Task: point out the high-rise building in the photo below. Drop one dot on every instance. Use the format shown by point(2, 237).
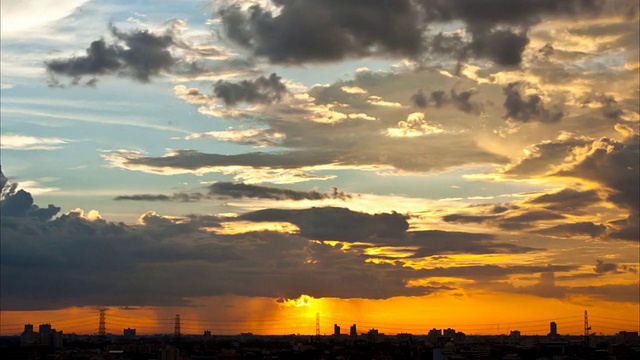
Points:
point(28, 337)
point(450, 333)
point(353, 333)
point(336, 330)
point(56, 339)
point(624, 337)
point(553, 329)
point(44, 334)
point(373, 336)
point(433, 335)
point(129, 333)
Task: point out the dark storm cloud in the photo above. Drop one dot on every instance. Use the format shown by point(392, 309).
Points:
point(498, 28)
point(546, 156)
point(503, 47)
point(527, 108)
point(419, 99)
point(239, 190)
point(488, 22)
point(332, 30)
point(613, 292)
point(193, 160)
point(499, 209)
point(489, 12)
point(331, 223)
point(615, 165)
point(4, 181)
point(439, 98)
point(526, 219)
point(225, 190)
point(556, 206)
point(451, 45)
point(464, 219)
point(567, 199)
point(547, 287)
point(329, 30)
point(17, 204)
point(485, 273)
point(534, 215)
point(608, 105)
point(20, 203)
point(138, 54)
point(182, 196)
point(489, 213)
point(69, 261)
point(386, 229)
point(433, 242)
point(585, 228)
point(144, 197)
point(261, 90)
point(604, 268)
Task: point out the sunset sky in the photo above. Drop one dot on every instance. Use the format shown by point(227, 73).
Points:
point(395, 164)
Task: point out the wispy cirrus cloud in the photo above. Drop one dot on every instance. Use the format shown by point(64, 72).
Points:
point(25, 142)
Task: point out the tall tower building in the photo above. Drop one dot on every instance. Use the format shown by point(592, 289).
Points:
point(353, 333)
point(553, 329)
point(336, 330)
point(44, 332)
point(28, 337)
point(433, 335)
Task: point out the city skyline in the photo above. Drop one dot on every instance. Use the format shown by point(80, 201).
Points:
point(116, 325)
point(384, 162)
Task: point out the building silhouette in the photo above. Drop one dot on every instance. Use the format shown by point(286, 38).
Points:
point(28, 337)
point(373, 336)
point(553, 329)
point(46, 336)
point(449, 333)
point(353, 333)
point(129, 333)
point(433, 335)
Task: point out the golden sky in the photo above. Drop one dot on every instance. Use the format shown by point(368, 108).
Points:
point(399, 164)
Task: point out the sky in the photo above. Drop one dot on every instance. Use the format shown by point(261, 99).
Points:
point(395, 164)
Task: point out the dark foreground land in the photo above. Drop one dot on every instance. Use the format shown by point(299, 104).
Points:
point(248, 346)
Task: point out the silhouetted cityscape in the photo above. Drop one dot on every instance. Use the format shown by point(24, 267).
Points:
point(436, 344)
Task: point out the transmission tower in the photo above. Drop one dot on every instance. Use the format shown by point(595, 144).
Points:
point(176, 327)
point(102, 324)
point(317, 325)
point(586, 327)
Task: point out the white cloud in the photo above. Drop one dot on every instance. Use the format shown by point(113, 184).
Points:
point(24, 142)
point(35, 188)
point(25, 16)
